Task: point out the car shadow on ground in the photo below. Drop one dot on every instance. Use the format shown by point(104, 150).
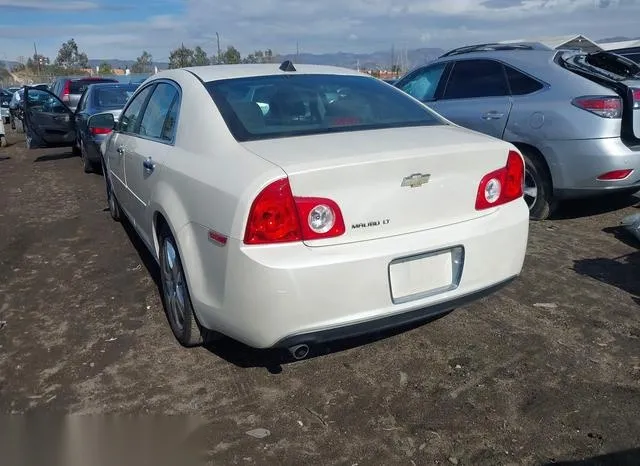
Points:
point(245, 356)
point(573, 209)
point(622, 458)
point(53, 157)
point(621, 272)
point(3, 158)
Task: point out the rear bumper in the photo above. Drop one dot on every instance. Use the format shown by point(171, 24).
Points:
point(278, 294)
point(405, 319)
point(576, 164)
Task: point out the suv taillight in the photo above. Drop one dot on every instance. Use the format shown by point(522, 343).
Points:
point(276, 216)
point(66, 91)
point(503, 185)
point(603, 106)
point(635, 93)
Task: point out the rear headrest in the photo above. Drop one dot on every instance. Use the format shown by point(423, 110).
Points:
point(249, 114)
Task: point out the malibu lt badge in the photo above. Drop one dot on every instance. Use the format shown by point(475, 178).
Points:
point(416, 180)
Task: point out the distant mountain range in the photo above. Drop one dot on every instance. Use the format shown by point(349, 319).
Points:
point(407, 59)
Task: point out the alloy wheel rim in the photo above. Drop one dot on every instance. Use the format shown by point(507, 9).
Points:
point(530, 189)
point(174, 286)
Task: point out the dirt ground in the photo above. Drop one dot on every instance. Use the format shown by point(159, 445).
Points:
point(546, 371)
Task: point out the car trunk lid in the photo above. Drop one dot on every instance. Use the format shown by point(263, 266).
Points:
point(392, 181)
point(618, 74)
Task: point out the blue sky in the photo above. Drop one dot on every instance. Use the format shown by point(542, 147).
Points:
point(106, 29)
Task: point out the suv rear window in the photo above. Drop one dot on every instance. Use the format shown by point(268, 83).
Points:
point(79, 86)
point(278, 106)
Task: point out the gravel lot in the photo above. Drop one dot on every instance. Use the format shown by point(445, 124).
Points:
point(546, 371)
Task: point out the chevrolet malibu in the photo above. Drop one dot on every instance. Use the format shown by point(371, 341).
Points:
point(293, 205)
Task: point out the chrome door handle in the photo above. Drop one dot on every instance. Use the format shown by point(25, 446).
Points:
point(120, 150)
point(148, 164)
point(492, 115)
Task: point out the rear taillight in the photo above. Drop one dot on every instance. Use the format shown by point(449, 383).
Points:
point(66, 91)
point(96, 131)
point(503, 185)
point(276, 216)
point(605, 107)
point(635, 94)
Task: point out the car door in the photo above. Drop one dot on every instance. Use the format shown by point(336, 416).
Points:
point(476, 96)
point(48, 121)
point(81, 116)
point(148, 150)
point(128, 124)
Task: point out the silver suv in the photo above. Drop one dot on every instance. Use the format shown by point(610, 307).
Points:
point(574, 116)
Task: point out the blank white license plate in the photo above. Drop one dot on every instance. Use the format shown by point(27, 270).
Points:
point(416, 277)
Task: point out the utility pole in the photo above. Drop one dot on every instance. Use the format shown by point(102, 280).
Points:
point(219, 52)
point(36, 57)
point(297, 50)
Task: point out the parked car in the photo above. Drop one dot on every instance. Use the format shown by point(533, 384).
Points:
point(98, 98)
point(15, 106)
point(571, 114)
point(283, 220)
point(5, 99)
point(69, 90)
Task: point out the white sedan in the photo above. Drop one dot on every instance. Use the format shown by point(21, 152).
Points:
point(292, 205)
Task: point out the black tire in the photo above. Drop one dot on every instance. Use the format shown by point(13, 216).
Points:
point(175, 293)
point(87, 165)
point(76, 150)
point(542, 205)
point(112, 201)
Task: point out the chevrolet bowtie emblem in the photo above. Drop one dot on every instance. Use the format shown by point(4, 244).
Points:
point(416, 180)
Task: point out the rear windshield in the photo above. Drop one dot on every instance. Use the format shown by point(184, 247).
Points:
point(267, 107)
point(112, 97)
point(79, 86)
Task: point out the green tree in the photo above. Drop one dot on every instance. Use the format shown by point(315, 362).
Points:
point(105, 68)
point(143, 63)
point(181, 57)
point(200, 57)
point(231, 56)
point(70, 57)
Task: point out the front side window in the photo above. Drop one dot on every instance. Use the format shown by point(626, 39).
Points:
point(45, 102)
point(157, 111)
point(278, 106)
point(423, 84)
point(476, 78)
point(130, 119)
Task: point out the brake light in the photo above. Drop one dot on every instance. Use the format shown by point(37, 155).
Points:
point(502, 185)
point(605, 107)
point(615, 175)
point(66, 91)
point(96, 131)
point(635, 93)
point(276, 216)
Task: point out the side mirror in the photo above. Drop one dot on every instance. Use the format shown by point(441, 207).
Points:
point(101, 123)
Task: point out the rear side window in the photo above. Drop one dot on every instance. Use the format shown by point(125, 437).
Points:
point(476, 78)
point(520, 83)
point(277, 106)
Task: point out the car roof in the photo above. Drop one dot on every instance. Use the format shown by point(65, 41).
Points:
point(219, 72)
point(532, 56)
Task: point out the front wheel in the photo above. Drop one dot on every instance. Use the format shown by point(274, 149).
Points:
point(538, 192)
point(175, 294)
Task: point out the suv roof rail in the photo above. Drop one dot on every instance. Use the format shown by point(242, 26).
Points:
point(494, 47)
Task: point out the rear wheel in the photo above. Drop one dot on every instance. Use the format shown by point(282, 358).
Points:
point(176, 300)
point(538, 192)
point(87, 165)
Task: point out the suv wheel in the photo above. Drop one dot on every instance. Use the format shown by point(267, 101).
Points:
point(538, 193)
